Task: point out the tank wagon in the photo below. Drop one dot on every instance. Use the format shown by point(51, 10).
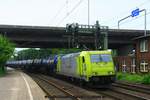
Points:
point(94, 67)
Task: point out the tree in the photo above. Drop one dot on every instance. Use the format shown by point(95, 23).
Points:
point(6, 50)
point(33, 53)
point(42, 53)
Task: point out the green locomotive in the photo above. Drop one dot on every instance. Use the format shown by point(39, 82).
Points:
point(96, 67)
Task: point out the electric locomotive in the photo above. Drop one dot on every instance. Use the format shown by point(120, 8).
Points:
point(94, 67)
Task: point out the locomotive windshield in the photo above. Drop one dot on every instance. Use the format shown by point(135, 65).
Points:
point(101, 58)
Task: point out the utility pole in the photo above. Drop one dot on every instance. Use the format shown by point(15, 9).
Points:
point(88, 12)
point(144, 22)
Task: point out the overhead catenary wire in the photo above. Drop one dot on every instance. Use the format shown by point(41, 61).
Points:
point(58, 12)
point(71, 11)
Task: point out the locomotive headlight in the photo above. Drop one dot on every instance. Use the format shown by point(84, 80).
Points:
point(110, 72)
point(95, 73)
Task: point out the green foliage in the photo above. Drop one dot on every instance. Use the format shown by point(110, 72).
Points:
point(146, 79)
point(2, 71)
point(120, 76)
point(134, 78)
point(6, 50)
point(32, 54)
point(66, 51)
point(42, 53)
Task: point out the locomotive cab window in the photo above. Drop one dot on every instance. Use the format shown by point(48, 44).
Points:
point(143, 45)
point(100, 58)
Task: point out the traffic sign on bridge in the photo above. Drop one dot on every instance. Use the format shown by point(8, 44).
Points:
point(135, 12)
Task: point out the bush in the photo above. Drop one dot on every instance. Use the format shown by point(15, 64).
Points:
point(146, 79)
point(6, 50)
point(134, 78)
point(120, 76)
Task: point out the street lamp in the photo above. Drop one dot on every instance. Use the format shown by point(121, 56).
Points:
point(133, 14)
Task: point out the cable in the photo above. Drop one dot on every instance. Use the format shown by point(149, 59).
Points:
point(70, 11)
point(58, 12)
point(67, 6)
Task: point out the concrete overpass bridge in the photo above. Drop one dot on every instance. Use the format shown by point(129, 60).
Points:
point(56, 37)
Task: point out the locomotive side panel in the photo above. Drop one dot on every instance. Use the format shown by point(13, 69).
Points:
point(69, 65)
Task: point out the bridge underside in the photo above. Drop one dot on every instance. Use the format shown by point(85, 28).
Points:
point(56, 37)
point(64, 43)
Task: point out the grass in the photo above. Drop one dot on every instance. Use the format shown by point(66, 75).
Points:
point(134, 78)
point(146, 79)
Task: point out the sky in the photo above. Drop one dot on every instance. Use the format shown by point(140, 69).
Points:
point(60, 12)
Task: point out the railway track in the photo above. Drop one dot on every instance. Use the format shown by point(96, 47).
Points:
point(53, 91)
point(59, 91)
point(135, 87)
point(127, 91)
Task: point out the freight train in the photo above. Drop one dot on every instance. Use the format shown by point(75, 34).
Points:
point(94, 67)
